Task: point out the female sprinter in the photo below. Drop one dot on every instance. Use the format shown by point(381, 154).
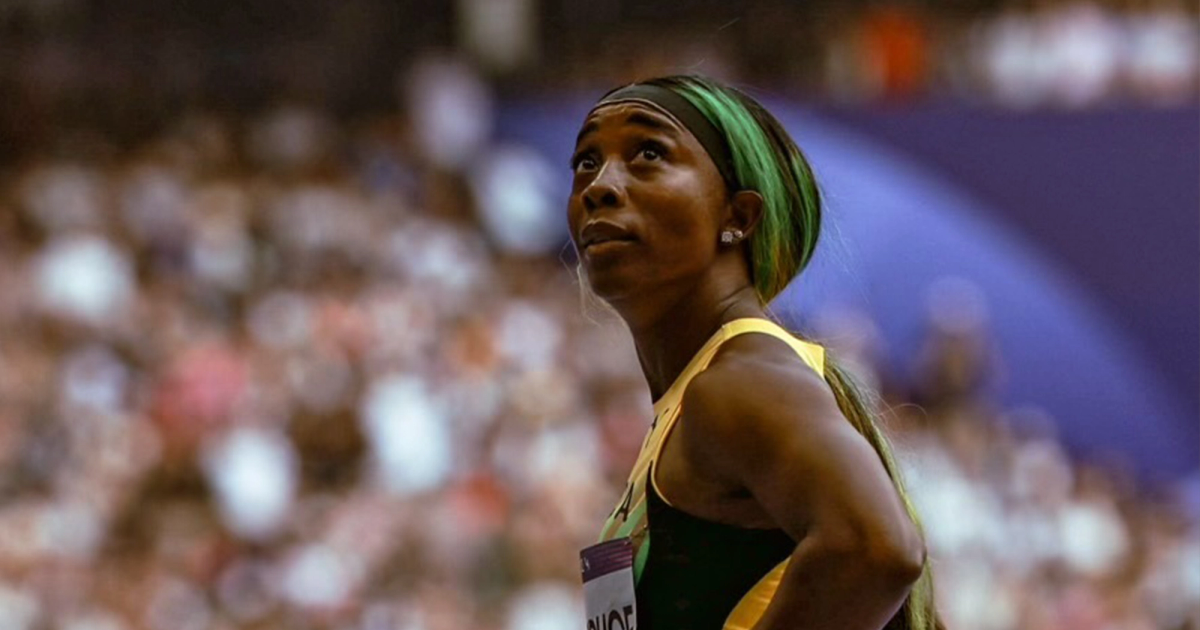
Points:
point(765, 497)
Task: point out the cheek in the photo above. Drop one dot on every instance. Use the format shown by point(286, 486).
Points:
point(683, 220)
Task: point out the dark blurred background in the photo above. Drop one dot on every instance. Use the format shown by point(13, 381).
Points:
point(131, 66)
point(290, 335)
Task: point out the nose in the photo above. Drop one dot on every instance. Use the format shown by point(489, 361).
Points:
point(605, 190)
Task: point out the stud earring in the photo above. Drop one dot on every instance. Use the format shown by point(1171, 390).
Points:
point(726, 237)
point(737, 235)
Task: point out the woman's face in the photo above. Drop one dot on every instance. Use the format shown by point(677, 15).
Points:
point(646, 203)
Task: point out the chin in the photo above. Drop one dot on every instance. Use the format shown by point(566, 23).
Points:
point(612, 285)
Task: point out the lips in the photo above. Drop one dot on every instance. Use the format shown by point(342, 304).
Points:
point(600, 232)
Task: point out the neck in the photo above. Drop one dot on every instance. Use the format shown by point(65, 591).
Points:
point(668, 334)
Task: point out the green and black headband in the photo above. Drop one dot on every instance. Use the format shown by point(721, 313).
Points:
point(686, 114)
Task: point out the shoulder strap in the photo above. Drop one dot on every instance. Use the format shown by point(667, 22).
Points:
point(810, 353)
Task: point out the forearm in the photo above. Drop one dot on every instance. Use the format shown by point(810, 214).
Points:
point(839, 586)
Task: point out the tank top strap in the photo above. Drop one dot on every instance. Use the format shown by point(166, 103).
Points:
point(810, 353)
point(667, 407)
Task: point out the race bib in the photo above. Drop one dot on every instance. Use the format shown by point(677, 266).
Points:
point(608, 589)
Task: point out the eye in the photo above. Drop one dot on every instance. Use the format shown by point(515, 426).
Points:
point(651, 151)
point(585, 161)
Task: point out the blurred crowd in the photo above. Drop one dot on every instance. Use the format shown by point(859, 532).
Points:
point(1021, 534)
point(1019, 54)
point(1039, 53)
point(277, 370)
point(237, 57)
point(282, 372)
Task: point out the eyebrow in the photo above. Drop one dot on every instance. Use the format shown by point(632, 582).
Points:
point(641, 119)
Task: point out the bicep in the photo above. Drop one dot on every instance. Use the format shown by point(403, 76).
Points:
point(827, 478)
point(785, 440)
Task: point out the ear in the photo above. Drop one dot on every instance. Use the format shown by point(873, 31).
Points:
point(745, 211)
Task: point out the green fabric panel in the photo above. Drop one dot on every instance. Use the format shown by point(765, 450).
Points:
point(639, 562)
point(636, 517)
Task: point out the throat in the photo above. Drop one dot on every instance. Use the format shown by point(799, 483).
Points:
point(665, 350)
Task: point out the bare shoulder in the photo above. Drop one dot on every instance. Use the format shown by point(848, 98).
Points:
point(759, 378)
point(756, 406)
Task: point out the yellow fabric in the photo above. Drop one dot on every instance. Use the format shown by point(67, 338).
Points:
point(629, 519)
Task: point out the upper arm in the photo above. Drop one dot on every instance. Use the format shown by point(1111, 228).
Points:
point(777, 431)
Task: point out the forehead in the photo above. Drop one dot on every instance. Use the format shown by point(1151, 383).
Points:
point(632, 113)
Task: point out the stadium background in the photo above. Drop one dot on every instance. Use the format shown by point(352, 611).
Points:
point(290, 337)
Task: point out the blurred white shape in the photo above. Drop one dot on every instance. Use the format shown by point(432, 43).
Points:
point(1189, 574)
point(567, 455)
point(222, 254)
point(404, 323)
point(1033, 540)
point(1041, 473)
point(451, 110)
point(64, 197)
point(1013, 60)
point(473, 402)
point(546, 606)
point(220, 251)
point(282, 319)
point(1164, 49)
point(1093, 537)
point(94, 378)
point(317, 577)
point(961, 514)
point(1084, 50)
point(975, 598)
point(565, 464)
point(543, 396)
point(253, 473)
point(437, 253)
point(500, 34)
point(18, 610)
point(84, 277)
point(515, 191)
point(315, 217)
point(408, 433)
point(1171, 584)
point(94, 621)
point(70, 529)
point(528, 336)
point(177, 605)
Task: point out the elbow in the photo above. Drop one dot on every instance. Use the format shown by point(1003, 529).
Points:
point(903, 565)
point(900, 556)
point(895, 556)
